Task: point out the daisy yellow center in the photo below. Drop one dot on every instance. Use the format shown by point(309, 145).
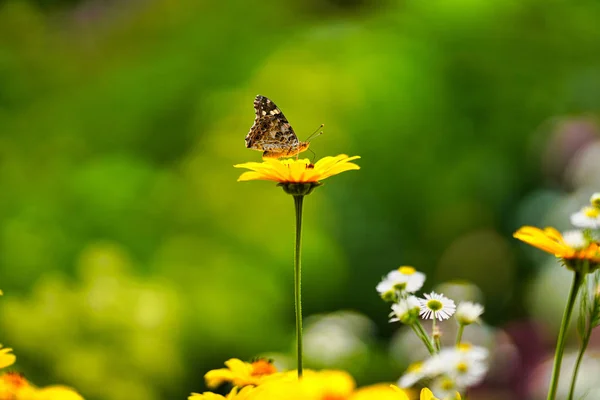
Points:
point(406, 270)
point(447, 384)
point(414, 367)
point(462, 367)
point(591, 212)
point(435, 305)
point(263, 367)
point(464, 347)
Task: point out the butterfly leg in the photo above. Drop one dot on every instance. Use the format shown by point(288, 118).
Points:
point(314, 155)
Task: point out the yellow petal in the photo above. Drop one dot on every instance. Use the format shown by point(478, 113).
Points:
point(338, 169)
point(427, 395)
point(57, 393)
point(6, 359)
point(380, 391)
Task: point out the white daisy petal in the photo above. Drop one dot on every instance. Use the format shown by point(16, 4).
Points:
point(438, 306)
point(405, 309)
point(587, 217)
point(468, 312)
point(575, 239)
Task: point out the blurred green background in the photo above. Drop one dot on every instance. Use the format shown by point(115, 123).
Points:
point(131, 259)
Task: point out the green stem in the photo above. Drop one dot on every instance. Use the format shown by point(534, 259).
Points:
point(435, 335)
point(584, 345)
point(424, 336)
point(461, 329)
point(560, 344)
point(297, 282)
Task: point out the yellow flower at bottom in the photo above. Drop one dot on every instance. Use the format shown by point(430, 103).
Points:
point(240, 373)
point(322, 385)
point(427, 395)
point(55, 393)
point(381, 391)
point(233, 395)
point(14, 386)
point(297, 171)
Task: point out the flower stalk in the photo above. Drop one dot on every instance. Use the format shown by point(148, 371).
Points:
point(298, 203)
point(461, 329)
point(578, 278)
point(582, 349)
point(422, 334)
point(589, 318)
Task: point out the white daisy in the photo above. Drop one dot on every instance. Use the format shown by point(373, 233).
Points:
point(575, 239)
point(400, 281)
point(437, 306)
point(445, 388)
point(465, 364)
point(387, 290)
point(587, 217)
point(468, 372)
point(595, 200)
point(407, 279)
point(406, 310)
point(468, 312)
point(477, 353)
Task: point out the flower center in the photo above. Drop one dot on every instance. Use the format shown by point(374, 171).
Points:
point(591, 212)
point(400, 286)
point(447, 384)
point(406, 270)
point(462, 367)
point(263, 367)
point(464, 347)
point(435, 305)
point(414, 367)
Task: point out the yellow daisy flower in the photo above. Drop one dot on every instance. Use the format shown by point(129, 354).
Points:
point(572, 248)
point(322, 385)
point(13, 385)
point(233, 395)
point(380, 391)
point(55, 393)
point(6, 358)
point(427, 395)
point(297, 171)
point(240, 373)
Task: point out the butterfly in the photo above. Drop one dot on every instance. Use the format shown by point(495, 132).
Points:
point(271, 132)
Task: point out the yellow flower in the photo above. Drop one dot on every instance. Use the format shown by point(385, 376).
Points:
point(14, 386)
point(322, 385)
point(427, 395)
point(233, 395)
point(6, 359)
point(54, 393)
point(297, 171)
point(381, 391)
point(240, 373)
point(551, 241)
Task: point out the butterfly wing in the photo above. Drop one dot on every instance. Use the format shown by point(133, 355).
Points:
point(271, 130)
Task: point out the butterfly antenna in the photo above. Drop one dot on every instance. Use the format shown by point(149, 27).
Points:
point(316, 133)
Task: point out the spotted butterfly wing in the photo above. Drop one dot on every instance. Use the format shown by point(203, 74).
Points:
point(271, 132)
